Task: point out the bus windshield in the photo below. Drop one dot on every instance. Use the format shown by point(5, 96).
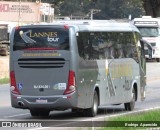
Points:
point(149, 31)
point(40, 38)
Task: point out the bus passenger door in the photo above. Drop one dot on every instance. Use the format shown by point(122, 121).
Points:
point(88, 73)
point(117, 82)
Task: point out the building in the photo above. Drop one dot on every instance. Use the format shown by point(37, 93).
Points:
point(25, 11)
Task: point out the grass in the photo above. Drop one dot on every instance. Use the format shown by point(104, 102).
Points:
point(4, 81)
point(138, 120)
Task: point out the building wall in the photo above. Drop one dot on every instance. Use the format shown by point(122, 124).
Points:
point(22, 12)
point(19, 0)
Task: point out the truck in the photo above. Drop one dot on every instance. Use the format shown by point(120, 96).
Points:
point(4, 40)
point(150, 31)
point(5, 30)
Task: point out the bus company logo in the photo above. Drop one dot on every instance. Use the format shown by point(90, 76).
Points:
point(26, 38)
point(43, 34)
point(28, 35)
point(52, 39)
point(51, 36)
point(121, 69)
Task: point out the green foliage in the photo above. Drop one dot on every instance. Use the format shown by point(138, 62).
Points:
point(144, 116)
point(110, 9)
point(4, 81)
point(151, 116)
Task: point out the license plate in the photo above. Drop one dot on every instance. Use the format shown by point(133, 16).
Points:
point(41, 100)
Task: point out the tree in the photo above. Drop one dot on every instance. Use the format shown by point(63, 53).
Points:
point(152, 7)
point(113, 9)
point(110, 9)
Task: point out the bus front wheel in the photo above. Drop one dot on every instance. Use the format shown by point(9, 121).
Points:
point(130, 105)
point(91, 112)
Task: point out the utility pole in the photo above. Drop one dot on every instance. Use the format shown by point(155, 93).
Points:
point(19, 13)
point(94, 11)
point(91, 14)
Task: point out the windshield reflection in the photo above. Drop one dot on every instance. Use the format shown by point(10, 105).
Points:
point(149, 31)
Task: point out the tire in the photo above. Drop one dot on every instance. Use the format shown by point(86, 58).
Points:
point(34, 113)
point(6, 52)
point(44, 113)
point(158, 59)
point(91, 112)
point(8, 49)
point(130, 105)
point(74, 110)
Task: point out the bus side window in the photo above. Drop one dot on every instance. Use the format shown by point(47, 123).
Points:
point(130, 48)
point(131, 51)
point(81, 47)
point(119, 51)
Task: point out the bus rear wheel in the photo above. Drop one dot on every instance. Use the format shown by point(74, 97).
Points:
point(91, 112)
point(43, 113)
point(130, 105)
point(158, 59)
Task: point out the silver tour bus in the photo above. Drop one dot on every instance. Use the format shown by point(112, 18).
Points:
point(78, 67)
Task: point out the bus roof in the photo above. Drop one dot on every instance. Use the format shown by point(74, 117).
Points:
point(94, 25)
point(120, 27)
point(99, 25)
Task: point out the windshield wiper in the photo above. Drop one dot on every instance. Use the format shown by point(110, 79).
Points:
point(153, 36)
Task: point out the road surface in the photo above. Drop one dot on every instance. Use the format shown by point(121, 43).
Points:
point(7, 113)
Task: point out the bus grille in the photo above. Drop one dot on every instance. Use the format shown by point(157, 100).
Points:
point(41, 62)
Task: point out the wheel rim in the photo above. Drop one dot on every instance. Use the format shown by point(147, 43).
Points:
point(134, 97)
point(95, 105)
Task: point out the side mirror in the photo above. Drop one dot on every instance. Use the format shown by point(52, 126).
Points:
point(147, 48)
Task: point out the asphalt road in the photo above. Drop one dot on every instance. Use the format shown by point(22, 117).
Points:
point(59, 118)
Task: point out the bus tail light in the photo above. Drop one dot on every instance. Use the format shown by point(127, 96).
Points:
point(13, 88)
point(66, 26)
point(71, 83)
point(17, 27)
